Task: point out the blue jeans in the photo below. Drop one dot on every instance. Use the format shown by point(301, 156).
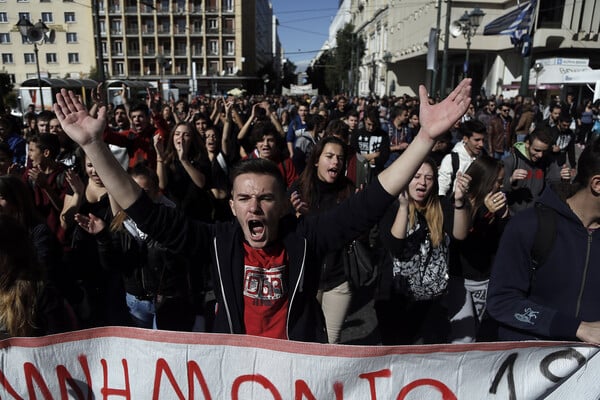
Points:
point(141, 311)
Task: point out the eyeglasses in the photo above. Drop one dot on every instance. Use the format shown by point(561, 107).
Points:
point(505, 110)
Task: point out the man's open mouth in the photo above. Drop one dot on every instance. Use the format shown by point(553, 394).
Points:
point(257, 229)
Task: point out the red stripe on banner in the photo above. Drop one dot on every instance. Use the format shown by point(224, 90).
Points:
point(351, 351)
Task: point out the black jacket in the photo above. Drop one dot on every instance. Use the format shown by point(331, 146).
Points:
point(306, 240)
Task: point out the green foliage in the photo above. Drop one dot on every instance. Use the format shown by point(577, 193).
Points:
point(335, 70)
point(289, 74)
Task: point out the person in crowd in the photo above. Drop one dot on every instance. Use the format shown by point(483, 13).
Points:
point(315, 126)
point(138, 139)
point(400, 137)
point(487, 112)
point(29, 305)
point(10, 135)
point(500, 133)
point(413, 123)
point(473, 133)
point(217, 145)
point(183, 167)
point(168, 116)
point(530, 169)
point(67, 146)
point(43, 122)
point(157, 281)
point(16, 201)
point(296, 128)
point(585, 121)
point(526, 120)
point(416, 236)
point(563, 145)
point(352, 120)
point(471, 259)
point(559, 300)
point(103, 302)
point(263, 264)
point(46, 179)
point(322, 186)
point(553, 117)
point(340, 109)
point(269, 145)
point(372, 142)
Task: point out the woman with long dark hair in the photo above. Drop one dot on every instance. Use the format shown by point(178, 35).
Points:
point(471, 259)
point(182, 167)
point(321, 186)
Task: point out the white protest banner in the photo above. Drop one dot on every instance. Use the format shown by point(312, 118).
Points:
point(129, 363)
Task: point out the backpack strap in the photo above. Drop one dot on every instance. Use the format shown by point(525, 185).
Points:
point(545, 237)
point(455, 167)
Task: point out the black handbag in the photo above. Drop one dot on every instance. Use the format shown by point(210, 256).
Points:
point(358, 265)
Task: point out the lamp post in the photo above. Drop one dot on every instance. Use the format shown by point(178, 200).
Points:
point(34, 34)
point(265, 79)
point(537, 67)
point(467, 25)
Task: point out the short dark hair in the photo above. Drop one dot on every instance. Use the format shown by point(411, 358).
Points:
point(47, 141)
point(142, 169)
point(259, 166)
point(542, 134)
point(397, 110)
point(139, 107)
point(471, 126)
point(338, 127)
point(46, 115)
point(588, 164)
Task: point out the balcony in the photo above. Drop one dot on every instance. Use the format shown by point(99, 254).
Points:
point(133, 53)
point(132, 30)
point(149, 53)
point(148, 30)
point(228, 31)
point(181, 52)
point(164, 30)
point(114, 10)
point(116, 32)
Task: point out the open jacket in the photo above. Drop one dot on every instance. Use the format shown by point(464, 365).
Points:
point(306, 241)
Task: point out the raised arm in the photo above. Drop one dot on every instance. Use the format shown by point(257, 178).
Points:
point(87, 131)
point(435, 120)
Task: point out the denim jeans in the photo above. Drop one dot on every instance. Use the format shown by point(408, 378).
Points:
point(141, 311)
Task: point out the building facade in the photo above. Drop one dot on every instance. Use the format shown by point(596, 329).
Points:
point(201, 46)
point(397, 32)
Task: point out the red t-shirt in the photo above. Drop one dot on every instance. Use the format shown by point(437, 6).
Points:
point(266, 295)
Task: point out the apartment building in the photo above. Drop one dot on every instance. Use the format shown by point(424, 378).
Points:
point(67, 51)
point(206, 46)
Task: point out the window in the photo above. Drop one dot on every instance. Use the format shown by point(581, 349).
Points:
point(29, 58)
point(103, 27)
point(119, 69)
point(212, 24)
point(118, 48)
point(229, 48)
point(51, 58)
point(69, 17)
point(4, 38)
point(73, 58)
point(24, 15)
point(3, 17)
point(228, 5)
point(47, 17)
point(71, 37)
point(115, 26)
point(104, 48)
point(213, 47)
point(229, 68)
point(7, 58)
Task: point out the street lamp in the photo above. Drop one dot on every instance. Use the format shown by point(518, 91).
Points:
point(265, 79)
point(34, 34)
point(467, 25)
point(537, 67)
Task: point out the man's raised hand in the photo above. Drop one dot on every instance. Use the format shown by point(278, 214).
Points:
point(76, 120)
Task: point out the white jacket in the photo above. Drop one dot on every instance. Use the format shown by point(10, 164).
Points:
point(445, 171)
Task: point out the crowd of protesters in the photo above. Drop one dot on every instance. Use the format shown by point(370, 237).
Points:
point(71, 257)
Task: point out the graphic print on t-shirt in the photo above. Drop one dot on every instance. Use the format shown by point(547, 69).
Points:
point(264, 286)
